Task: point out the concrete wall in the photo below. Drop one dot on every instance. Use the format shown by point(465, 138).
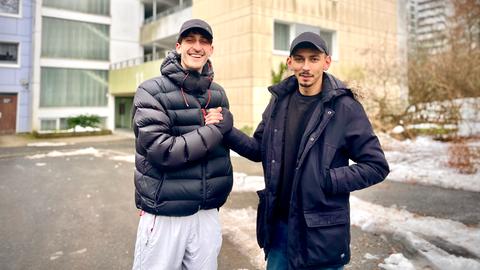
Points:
point(16, 79)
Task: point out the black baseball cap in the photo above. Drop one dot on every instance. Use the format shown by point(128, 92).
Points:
point(196, 23)
point(311, 38)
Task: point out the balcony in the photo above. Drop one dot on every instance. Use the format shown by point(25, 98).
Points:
point(124, 77)
point(161, 29)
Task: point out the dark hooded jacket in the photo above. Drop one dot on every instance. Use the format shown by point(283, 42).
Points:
point(181, 164)
point(319, 211)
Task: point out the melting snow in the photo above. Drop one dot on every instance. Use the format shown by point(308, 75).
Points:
point(85, 151)
point(424, 161)
point(397, 262)
point(45, 144)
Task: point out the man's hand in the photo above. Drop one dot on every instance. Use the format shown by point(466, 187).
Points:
point(214, 116)
point(221, 118)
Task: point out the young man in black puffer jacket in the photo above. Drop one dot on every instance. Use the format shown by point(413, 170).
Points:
point(183, 171)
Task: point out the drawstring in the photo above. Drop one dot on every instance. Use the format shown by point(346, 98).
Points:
point(204, 110)
point(183, 92)
point(184, 97)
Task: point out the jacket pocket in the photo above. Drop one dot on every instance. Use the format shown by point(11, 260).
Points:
point(327, 237)
point(261, 218)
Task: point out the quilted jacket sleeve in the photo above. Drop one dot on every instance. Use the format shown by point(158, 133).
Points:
point(153, 129)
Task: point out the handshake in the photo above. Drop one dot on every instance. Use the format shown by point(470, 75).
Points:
point(221, 118)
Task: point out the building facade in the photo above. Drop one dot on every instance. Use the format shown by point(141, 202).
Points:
point(15, 65)
point(74, 45)
point(251, 39)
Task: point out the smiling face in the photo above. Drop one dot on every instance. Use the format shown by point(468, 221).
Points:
point(194, 49)
point(308, 65)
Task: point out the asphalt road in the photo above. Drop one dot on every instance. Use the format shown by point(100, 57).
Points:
point(77, 212)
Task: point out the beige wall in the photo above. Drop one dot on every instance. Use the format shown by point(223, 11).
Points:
point(243, 40)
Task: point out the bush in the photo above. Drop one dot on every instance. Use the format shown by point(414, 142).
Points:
point(460, 157)
point(247, 130)
point(84, 121)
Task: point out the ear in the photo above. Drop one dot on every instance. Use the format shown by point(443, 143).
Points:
point(328, 61)
point(177, 47)
point(211, 51)
point(289, 62)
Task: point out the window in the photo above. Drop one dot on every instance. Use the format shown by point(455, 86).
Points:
point(48, 124)
point(9, 53)
point(75, 40)
point(98, 7)
point(10, 7)
point(284, 34)
point(281, 34)
point(62, 87)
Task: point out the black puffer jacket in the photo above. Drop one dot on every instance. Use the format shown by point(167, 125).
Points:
point(181, 164)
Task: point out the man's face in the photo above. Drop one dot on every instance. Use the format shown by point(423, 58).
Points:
point(195, 49)
point(308, 65)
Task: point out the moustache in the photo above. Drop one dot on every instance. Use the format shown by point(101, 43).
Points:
point(305, 74)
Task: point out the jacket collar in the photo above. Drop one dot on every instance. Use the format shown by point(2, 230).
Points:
point(188, 80)
point(331, 87)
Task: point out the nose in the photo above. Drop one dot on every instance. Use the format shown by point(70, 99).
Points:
point(197, 46)
point(306, 65)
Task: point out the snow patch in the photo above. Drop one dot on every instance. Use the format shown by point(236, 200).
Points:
point(441, 259)
point(424, 161)
point(239, 226)
point(397, 262)
point(244, 183)
point(46, 144)
point(85, 151)
point(376, 218)
point(127, 158)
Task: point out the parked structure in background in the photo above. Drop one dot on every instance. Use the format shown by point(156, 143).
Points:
point(252, 38)
point(15, 66)
point(74, 45)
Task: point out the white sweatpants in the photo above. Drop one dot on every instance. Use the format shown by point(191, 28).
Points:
point(175, 243)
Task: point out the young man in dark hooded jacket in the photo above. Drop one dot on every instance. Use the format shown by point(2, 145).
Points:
point(309, 131)
point(183, 172)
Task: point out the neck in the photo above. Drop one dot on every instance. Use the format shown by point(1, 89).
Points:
point(313, 89)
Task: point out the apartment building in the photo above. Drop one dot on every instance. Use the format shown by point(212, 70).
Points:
point(15, 65)
point(74, 44)
point(251, 39)
point(428, 21)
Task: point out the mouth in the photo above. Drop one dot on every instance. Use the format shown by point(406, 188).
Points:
point(306, 76)
point(196, 55)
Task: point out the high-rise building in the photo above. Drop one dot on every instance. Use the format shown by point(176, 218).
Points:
point(15, 65)
point(74, 44)
point(428, 21)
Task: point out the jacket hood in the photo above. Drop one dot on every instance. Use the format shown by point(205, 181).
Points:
point(334, 88)
point(188, 80)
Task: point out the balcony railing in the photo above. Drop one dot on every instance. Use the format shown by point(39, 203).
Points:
point(183, 5)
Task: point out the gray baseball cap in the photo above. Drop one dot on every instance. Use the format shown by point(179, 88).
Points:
point(312, 38)
point(196, 23)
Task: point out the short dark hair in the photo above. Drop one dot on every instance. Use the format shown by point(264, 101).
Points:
point(199, 31)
